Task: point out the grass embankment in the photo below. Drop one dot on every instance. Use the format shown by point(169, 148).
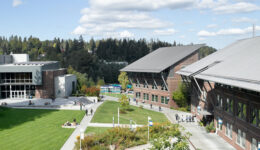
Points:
point(108, 109)
point(35, 129)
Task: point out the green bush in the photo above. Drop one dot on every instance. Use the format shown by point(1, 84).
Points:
point(124, 138)
point(181, 95)
point(210, 127)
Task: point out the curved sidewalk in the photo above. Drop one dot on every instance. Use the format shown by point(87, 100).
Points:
point(70, 143)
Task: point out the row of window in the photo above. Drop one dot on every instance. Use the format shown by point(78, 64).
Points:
point(154, 86)
point(241, 111)
point(241, 136)
point(164, 99)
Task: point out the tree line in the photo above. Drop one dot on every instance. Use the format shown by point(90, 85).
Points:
point(96, 59)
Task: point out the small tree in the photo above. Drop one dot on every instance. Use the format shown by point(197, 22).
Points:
point(124, 103)
point(180, 96)
point(123, 80)
point(83, 89)
point(100, 82)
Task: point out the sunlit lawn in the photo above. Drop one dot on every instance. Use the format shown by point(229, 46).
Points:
point(27, 129)
point(108, 109)
point(96, 130)
point(118, 95)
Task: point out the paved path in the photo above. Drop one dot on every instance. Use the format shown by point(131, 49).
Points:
point(70, 143)
point(200, 138)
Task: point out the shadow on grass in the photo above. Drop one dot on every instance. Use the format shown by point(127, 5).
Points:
point(10, 117)
point(130, 109)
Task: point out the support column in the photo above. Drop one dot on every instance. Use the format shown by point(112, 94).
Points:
point(11, 93)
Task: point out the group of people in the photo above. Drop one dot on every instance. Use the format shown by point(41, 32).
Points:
point(91, 111)
point(67, 123)
point(187, 118)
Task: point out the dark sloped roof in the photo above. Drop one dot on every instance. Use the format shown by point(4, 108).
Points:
point(237, 65)
point(161, 59)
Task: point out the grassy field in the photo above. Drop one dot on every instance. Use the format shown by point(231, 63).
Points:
point(26, 129)
point(96, 130)
point(108, 109)
point(117, 95)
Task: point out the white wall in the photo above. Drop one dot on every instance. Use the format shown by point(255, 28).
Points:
point(17, 58)
point(63, 85)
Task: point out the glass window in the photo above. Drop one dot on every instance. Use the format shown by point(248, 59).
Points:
point(229, 130)
point(154, 86)
point(156, 98)
point(218, 99)
point(162, 99)
point(167, 100)
point(254, 144)
point(152, 97)
point(241, 138)
point(241, 110)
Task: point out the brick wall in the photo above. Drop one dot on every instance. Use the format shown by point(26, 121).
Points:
point(46, 90)
point(230, 117)
point(172, 81)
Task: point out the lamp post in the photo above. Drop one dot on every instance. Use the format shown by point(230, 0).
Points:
point(81, 137)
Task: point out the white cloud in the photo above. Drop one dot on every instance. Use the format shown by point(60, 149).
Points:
point(17, 3)
point(79, 31)
point(230, 31)
point(122, 34)
point(241, 7)
point(140, 5)
point(244, 20)
point(104, 18)
point(166, 32)
point(202, 39)
point(182, 36)
point(226, 6)
point(212, 26)
point(206, 33)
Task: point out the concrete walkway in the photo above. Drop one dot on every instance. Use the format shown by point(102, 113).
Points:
point(200, 138)
point(70, 143)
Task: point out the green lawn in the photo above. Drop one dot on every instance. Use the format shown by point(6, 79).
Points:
point(108, 109)
point(96, 130)
point(26, 129)
point(117, 95)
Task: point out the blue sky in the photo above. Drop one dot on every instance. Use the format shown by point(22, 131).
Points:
point(214, 22)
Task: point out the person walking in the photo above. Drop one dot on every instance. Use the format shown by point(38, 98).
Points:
point(86, 112)
point(91, 111)
point(176, 116)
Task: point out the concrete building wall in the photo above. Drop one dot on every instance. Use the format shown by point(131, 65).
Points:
point(17, 58)
point(5, 59)
point(64, 85)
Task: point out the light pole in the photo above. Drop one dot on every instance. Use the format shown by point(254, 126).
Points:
point(81, 137)
point(118, 116)
point(113, 121)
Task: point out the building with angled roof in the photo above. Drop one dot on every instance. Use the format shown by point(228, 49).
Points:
point(227, 85)
point(153, 76)
point(22, 79)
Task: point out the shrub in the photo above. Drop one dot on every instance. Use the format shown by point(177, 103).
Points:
point(210, 127)
point(181, 95)
point(124, 103)
point(123, 138)
point(92, 91)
